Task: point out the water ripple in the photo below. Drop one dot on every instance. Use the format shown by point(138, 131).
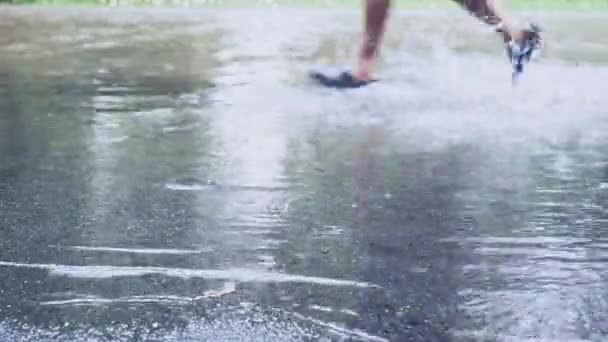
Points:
point(242, 275)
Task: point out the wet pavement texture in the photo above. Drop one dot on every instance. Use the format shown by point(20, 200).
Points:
point(171, 175)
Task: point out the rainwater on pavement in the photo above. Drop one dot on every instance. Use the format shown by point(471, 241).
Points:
point(172, 175)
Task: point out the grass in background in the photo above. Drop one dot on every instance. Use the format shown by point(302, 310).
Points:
point(593, 5)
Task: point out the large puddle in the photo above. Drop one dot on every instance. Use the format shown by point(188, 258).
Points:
point(171, 175)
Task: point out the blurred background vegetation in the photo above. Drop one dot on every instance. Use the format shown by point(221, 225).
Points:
point(415, 4)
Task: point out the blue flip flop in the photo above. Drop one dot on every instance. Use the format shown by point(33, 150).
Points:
point(342, 80)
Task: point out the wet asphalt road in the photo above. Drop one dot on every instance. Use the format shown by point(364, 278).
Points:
point(170, 175)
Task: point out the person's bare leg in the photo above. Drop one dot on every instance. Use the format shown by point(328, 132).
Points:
point(492, 12)
point(376, 13)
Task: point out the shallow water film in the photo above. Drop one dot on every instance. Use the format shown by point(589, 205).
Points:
point(172, 175)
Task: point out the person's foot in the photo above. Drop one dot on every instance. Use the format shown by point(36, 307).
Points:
point(523, 45)
point(364, 70)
